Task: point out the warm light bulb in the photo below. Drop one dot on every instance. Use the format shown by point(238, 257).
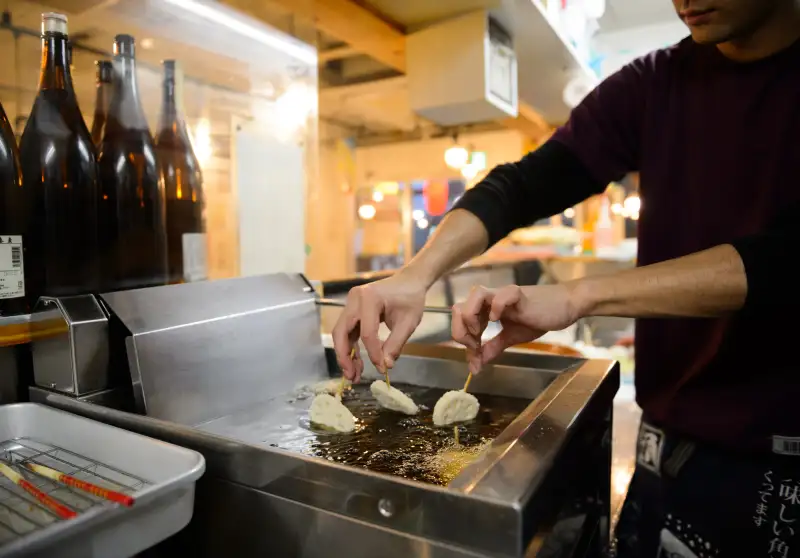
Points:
point(367, 211)
point(632, 204)
point(293, 107)
point(202, 141)
point(422, 223)
point(569, 213)
point(456, 157)
point(417, 214)
point(377, 196)
point(616, 208)
point(469, 171)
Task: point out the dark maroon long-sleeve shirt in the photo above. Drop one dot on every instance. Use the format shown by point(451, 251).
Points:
point(717, 145)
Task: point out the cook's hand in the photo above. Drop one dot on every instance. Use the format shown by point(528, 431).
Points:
point(397, 301)
point(526, 313)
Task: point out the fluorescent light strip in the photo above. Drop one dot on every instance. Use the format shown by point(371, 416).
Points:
point(218, 16)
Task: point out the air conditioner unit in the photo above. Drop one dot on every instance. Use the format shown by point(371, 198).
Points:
point(462, 71)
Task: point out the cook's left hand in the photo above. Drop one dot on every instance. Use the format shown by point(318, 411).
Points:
point(526, 313)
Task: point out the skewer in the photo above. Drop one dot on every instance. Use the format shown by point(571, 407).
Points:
point(58, 476)
point(455, 428)
point(340, 390)
point(58, 508)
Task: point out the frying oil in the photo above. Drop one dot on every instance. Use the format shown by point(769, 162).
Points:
point(410, 446)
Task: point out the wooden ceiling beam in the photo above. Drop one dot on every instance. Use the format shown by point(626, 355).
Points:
point(366, 33)
point(528, 121)
point(337, 53)
point(345, 21)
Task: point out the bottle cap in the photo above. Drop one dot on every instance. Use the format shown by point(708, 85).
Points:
point(170, 69)
point(105, 71)
point(124, 45)
point(54, 23)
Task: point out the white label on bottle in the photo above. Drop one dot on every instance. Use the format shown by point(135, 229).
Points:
point(12, 275)
point(195, 267)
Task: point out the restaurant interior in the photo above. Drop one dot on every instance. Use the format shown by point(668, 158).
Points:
point(331, 138)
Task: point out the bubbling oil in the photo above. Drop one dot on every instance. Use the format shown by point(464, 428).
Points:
point(411, 447)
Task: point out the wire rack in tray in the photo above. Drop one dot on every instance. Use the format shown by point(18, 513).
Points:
point(21, 514)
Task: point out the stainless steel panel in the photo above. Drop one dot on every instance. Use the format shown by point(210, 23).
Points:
point(499, 496)
point(295, 530)
point(201, 351)
point(74, 360)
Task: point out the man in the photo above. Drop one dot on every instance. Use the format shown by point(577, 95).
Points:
point(713, 127)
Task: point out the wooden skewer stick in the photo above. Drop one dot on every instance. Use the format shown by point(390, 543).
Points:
point(466, 384)
point(100, 492)
point(57, 507)
point(340, 390)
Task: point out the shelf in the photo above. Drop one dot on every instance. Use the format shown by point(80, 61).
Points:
point(547, 61)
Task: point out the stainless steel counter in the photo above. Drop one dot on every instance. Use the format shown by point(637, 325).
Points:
point(542, 486)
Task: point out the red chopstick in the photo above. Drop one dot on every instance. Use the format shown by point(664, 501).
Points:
point(98, 491)
point(60, 509)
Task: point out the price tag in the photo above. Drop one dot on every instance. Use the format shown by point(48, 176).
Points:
point(12, 269)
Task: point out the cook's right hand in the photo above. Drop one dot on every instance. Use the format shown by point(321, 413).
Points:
point(398, 301)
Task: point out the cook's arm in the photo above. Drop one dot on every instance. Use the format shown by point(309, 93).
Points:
point(748, 274)
point(599, 144)
point(545, 182)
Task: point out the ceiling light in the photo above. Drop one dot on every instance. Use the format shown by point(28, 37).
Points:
point(417, 214)
point(367, 211)
point(569, 213)
point(377, 196)
point(632, 204)
point(422, 223)
point(456, 157)
point(469, 171)
point(223, 17)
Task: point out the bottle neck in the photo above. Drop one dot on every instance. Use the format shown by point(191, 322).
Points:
point(125, 104)
point(103, 98)
point(55, 72)
point(172, 108)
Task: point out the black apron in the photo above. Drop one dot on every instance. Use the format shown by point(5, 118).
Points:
point(691, 500)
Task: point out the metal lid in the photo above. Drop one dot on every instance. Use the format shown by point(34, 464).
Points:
point(105, 71)
point(54, 23)
point(124, 45)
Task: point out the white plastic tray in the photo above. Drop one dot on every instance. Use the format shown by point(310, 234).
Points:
point(160, 476)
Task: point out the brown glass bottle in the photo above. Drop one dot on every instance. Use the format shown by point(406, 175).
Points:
point(105, 73)
point(13, 207)
point(132, 217)
point(59, 174)
point(183, 184)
